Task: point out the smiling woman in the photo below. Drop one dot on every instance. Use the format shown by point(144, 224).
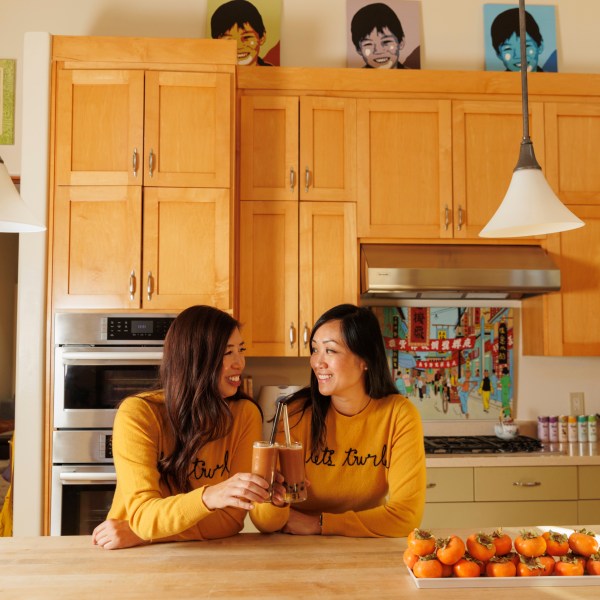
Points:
point(201, 427)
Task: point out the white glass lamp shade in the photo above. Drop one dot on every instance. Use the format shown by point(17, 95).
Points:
point(530, 207)
point(15, 215)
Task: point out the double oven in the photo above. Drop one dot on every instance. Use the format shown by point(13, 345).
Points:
point(99, 359)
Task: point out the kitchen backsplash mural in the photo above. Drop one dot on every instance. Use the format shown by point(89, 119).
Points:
point(453, 363)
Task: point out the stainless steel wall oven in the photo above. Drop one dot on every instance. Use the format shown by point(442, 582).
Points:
point(99, 359)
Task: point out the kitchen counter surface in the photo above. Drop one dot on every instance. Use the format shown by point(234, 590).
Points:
point(249, 566)
point(553, 455)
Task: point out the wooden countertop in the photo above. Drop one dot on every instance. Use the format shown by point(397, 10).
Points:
point(249, 566)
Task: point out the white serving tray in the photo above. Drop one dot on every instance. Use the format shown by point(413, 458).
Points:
point(510, 582)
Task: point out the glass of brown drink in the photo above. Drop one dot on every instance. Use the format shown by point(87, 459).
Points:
point(264, 463)
point(291, 464)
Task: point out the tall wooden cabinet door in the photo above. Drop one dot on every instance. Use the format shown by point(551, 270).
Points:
point(187, 135)
point(97, 247)
point(99, 127)
point(268, 295)
point(269, 148)
point(186, 258)
point(327, 149)
point(404, 170)
point(573, 147)
point(573, 319)
point(486, 143)
point(328, 261)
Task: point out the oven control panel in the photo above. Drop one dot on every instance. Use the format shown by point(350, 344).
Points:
point(79, 446)
point(136, 328)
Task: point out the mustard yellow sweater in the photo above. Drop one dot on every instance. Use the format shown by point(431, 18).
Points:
point(369, 481)
point(141, 435)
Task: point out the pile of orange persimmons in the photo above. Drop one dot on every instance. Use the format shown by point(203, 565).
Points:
point(497, 555)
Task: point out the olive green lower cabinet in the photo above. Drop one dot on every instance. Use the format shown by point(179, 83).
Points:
point(485, 497)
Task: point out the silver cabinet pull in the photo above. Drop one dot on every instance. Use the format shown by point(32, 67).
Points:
point(134, 162)
point(132, 285)
point(527, 483)
point(292, 334)
point(292, 179)
point(151, 163)
point(460, 217)
point(306, 179)
point(430, 486)
point(149, 285)
point(305, 334)
point(446, 217)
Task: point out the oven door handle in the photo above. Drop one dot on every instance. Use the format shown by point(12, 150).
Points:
point(83, 477)
point(112, 356)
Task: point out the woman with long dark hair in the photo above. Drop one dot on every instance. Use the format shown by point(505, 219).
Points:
point(183, 453)
point(364, 452)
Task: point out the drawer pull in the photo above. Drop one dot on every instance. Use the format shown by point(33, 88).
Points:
point(431, 485)
point(527, 483)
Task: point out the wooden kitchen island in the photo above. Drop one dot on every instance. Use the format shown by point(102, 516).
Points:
point(249, 566)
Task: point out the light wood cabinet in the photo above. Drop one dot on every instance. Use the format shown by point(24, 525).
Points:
point(297, 148)
point(143, 174)
point(136, 127)
point(436, 168)
point(296, 261)
point(105, 258)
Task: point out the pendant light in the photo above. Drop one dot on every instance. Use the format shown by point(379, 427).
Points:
point(530, 207)
point(15, 215)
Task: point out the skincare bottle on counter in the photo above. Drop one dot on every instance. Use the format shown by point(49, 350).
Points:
point(543, 429)
point(582, 428)
point(563, 428)
point(553, 429)
point(572, 428)
point(592, 430)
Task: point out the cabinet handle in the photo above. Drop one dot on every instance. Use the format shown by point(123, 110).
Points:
point(292, 334)
point(151, 163)
point(292, 179)
point(306, 179)
point(134, 162)
point(131, 284)
point(430, 486)
point(305, 335)
point(149, 285)
point(447, 217)
point(527, 483)
point(460, 217)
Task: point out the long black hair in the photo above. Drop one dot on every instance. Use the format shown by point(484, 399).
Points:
point(362, 334)
point(192, 363)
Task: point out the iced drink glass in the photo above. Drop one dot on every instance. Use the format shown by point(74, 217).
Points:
point(291, 464)
point(264, 463)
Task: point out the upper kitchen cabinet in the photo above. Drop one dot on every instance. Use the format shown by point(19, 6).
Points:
point(135, 127)
point(436, 168)
point(567, 323)
point(573, 145)
point(297, 148)
point(294, 265)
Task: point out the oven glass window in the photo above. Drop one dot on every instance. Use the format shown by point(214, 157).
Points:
point(84, 507)
point(104, 386)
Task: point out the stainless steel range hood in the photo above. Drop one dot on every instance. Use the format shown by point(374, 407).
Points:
point(454, 272)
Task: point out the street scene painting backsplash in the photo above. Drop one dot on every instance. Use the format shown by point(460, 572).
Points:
point(453, 363)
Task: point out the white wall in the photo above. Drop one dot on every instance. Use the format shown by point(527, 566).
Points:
point(313, 35)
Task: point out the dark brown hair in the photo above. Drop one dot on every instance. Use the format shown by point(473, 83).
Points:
point(189, 374)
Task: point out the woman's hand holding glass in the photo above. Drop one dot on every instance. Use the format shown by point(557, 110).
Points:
point(241, 490)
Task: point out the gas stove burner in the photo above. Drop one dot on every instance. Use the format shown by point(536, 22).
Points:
point(480, 444)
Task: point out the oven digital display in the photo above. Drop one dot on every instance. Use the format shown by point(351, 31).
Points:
point(142, 326)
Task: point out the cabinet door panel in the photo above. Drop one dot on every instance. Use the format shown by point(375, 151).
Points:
point(573, 140)
point(188, 129)
point(486, 141)
point(328, 261)
point(269, 148)
point(97, 246)
point(589, 482)
point(327, 149)
point(99, 127)
point(186, 248)
point(404, 168)
point(269, 277)
point(454, 484)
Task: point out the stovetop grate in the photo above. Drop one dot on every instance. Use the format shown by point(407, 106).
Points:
point(480, 444)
